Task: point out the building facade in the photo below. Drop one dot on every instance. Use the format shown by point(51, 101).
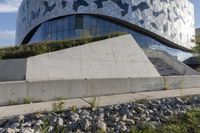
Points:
point(155, 24)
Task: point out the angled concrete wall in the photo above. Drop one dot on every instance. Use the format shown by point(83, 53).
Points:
point(12, 70)
point(118, 57)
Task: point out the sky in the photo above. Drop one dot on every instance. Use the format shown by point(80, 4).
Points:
point(8, 13)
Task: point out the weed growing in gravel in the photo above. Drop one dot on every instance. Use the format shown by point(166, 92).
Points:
point(93, 102)
point(58, 106)
point(74, 108)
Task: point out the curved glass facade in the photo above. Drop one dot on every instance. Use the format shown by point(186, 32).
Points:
point(77, 26)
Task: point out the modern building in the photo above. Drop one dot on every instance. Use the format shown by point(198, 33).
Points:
point(155, 24)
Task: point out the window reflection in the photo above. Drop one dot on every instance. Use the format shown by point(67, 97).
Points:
point(76, 26)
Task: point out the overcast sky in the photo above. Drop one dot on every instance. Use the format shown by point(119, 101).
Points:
point(8, 9)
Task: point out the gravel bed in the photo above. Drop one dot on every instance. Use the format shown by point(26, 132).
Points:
point(113, 118)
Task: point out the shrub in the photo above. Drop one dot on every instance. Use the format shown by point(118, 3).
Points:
point(34, 49)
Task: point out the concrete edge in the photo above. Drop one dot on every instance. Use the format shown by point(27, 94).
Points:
point(10, 111)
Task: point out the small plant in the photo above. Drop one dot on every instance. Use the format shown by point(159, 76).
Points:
point(74, 108)
point(58, 106)
point(28, 100)
point(93, 102)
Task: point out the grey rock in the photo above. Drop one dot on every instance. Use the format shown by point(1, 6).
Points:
point(139, 109)
point(101, 125)
point(74, 117)
point(130, 122)
point(84, 123)
point(164, 118)
point(39, 122)
point(123, 128)
point(124, 118)
point(51, 129)
point(2, 130)
point(142, 106)
point(20, 118)
point(179, 101)
point(27, 130)
point(60, 122)
point(14, 126)
point(36, 128)
point(136, 118)
point(9, 130)
point(84, 113)
point(155, 118)
point(124, 110)
point(110, 123)
point(168, 113)
point(117, 128)
point(72, 125)
point(27, 124)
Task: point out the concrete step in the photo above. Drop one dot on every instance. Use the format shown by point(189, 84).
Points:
point(163, 68)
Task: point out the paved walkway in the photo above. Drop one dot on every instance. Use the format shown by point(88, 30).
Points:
point(9, 111)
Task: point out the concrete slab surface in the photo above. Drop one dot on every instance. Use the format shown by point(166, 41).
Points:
point(9, 111)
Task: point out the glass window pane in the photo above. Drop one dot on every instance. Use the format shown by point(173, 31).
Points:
point(79, 22)
point(65, 23)
point(86, 22)
point(59, 25)
point(59, 36)
point(72, 22)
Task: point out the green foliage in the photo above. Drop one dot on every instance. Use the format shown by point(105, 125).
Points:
point(25, 51)
point(74, 108)
point(28, 100)
point(93, 102)
point(58, 106)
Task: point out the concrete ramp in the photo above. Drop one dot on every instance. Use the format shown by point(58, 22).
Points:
point(118, 57)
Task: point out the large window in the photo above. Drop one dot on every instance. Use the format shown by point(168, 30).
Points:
point(75, 26)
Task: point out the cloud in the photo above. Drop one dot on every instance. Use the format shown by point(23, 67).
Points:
point(7, 35)
point(9, 5)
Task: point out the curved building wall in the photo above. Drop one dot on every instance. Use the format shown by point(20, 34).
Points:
point(171, 19)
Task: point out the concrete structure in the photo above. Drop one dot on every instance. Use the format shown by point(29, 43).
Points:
point(163, 24)
point(10, 111)
point(118, 57)
point(13, 69)
point(70, 89)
